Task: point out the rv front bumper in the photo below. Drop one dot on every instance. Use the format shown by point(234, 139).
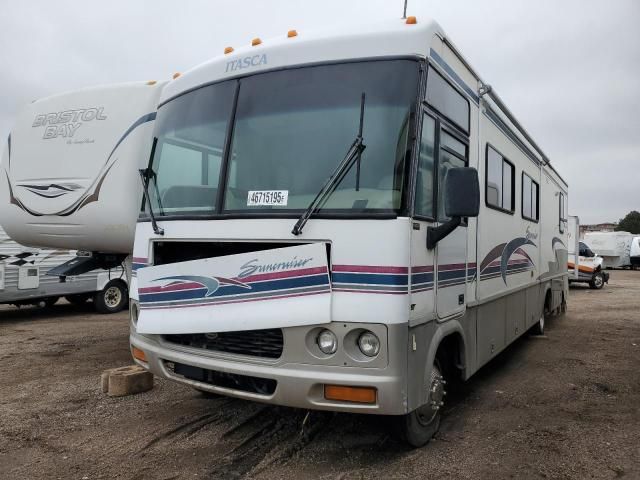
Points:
point(296, 379)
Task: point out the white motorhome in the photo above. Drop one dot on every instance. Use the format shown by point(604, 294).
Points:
point(342, 221)
point(25, 279)
point(584, 265)
point(613, 247)
point(70, 172)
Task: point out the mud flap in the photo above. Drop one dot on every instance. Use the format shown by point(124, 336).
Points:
point(274, 288)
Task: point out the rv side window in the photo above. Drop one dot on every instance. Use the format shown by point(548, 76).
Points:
point(446, 99)
point(530, 190)
point(453, 153)
point(562, 213)
point(424, 178)
point(499, 182)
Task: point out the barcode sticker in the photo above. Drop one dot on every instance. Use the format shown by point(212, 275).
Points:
point(267, 198)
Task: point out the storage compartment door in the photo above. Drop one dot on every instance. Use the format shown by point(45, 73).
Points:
point(28, 277)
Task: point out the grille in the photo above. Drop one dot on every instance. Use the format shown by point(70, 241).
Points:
point(244, 383)
point(254, 343)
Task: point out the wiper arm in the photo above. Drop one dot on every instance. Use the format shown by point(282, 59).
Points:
point(354, 153)
point(145, 188)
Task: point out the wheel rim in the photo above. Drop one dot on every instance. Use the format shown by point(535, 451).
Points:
point(541, 324)
point(428, 412)
point(112, 297)
point(598, 280)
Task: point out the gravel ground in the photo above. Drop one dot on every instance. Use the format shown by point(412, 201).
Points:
point(566, 405)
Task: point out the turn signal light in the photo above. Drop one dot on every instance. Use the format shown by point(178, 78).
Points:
point(411, 20)
point(350, 394)
point(255, 41)
point(138, 354)
point(228, 50)
point(292, 33)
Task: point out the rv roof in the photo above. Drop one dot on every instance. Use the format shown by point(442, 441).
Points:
point(390, 38)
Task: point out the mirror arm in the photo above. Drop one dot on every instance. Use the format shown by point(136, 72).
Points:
point(435, 234)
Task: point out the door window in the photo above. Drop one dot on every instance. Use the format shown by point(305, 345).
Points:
point(453, 154)
point(424, 178)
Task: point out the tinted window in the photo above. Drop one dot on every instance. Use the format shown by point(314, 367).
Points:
point(424, 179)
point(499, 181)
point(446, 99)
point(452, 154)
point(529, 198)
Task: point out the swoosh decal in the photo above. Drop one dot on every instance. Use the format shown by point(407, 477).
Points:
point(210, 283)
point(509, 250)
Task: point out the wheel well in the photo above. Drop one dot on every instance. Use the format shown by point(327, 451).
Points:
point(547, 301)
point(451, 355)
point(118, 281)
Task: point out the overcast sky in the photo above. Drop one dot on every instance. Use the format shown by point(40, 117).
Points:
point(569, 70)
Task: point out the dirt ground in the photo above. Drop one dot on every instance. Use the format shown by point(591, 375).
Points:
point(566, 405)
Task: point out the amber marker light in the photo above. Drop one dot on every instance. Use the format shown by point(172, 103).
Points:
point(411, 21)
point(176, 75)
point(152, 82)
point(138, 354)
point(228, 50)
point(350, 394)
point(292, 33)
point(255, 42)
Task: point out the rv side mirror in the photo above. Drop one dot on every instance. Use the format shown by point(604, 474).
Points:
point(462, 193)
point(462, 199)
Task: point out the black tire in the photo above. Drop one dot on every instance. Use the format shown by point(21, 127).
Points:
point(538, 327)
point(597, 281)
point(112, 298)
point(51, 301)
point(78, 299)
point(418, 427)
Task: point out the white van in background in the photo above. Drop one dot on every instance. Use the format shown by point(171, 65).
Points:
point(25, 279)
point(634, 253)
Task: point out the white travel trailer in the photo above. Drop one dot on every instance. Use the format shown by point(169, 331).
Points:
point(613, 247)
point(584, 265)
point(342, 221)
point(25, 279)
point(70, 172)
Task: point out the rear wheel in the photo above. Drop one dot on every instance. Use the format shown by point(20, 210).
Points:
point(112, 298)
point(597, 281)
point(419, 426)
point(538, 327)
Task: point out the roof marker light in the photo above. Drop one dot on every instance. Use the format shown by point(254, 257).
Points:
point(292, 33)
point(411, 20)
point(228, 50)
point(152, 82)
point(255, 42)
point(176, 75)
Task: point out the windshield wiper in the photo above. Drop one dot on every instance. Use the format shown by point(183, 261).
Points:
point(144, 177)
point(354, 153)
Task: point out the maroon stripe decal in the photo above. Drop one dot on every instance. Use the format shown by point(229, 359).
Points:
point(369, 269)
point(286, 274)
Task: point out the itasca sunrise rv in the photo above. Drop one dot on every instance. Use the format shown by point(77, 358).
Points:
point(342, 221)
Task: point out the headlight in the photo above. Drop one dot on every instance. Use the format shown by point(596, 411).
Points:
point(327, 342)
point(369, 344)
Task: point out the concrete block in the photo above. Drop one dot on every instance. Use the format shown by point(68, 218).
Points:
point(129, 380)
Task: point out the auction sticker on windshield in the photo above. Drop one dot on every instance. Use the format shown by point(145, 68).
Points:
point(277, 198)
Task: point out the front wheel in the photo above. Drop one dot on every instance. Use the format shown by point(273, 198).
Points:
point(419, 426)
point(112, 298)
point(597, 282)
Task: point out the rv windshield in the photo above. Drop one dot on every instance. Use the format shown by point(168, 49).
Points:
point(291, 129)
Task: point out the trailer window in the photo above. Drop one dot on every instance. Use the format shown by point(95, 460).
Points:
point(530, 194)
point(499, 181)
point(447, 100)
point(424, 178)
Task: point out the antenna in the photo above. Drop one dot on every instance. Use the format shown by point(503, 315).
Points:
point(404, 13)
